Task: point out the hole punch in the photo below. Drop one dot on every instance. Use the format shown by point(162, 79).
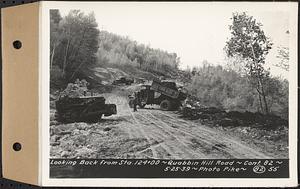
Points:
point(17, 44)
point(17, 146)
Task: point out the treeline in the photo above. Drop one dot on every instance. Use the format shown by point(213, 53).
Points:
point(122, 51)
point(73, 45)
point(226, 89)
point(76, 45)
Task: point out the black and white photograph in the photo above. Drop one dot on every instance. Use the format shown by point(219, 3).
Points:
point(169, 81)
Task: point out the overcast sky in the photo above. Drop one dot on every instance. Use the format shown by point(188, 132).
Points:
point(195, 31)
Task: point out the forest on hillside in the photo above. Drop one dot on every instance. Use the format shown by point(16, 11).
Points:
point(226, 89)
point(77, 44)
point(122, 51)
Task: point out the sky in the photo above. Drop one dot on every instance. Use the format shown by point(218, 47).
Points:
point(195, 31)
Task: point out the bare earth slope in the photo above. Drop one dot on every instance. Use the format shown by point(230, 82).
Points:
point(148, 133)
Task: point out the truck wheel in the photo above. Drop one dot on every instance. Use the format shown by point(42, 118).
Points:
point(165, 105)
point(142, 105)
point(131, 103)
point(175, 106)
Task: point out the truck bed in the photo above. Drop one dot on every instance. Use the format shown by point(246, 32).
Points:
point(157, 86)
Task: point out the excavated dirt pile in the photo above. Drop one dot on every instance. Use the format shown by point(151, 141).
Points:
point(234, 118)
point(269, 132)
point(194, 110)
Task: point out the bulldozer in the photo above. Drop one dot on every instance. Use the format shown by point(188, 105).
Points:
point(83, 109)
point(163, 93)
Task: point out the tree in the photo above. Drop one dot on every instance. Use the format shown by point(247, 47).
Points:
point(236, 63)
point(77, 44)
point(283, 55)
point(249, 41)
point(55, 33)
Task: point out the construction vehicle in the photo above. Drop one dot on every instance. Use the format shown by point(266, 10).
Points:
point(123, 80)
point(163, 93)
point(83, 109)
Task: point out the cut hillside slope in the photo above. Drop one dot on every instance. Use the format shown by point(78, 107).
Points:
point(106, 75)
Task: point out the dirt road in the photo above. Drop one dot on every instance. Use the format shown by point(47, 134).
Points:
point(169, 136)
point(147, 133)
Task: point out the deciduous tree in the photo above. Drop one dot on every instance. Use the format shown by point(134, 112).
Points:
point(55, 33)
point(283, 56)
point(249, 41)
point(78, 43)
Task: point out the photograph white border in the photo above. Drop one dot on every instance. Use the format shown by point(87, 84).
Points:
point(45, 180)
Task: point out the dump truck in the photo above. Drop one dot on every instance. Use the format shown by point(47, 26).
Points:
point(83, 109)
point(123, 80)
point(163, 93)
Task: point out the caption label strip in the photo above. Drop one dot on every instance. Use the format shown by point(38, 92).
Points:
point(160, 168)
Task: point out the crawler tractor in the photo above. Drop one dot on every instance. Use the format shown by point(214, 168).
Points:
point(83, 109)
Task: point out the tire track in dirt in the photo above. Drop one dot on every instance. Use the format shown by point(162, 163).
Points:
point(124, 115)
point(235, 144)
point(135, 127)
point(225, 152)
point(243, 150)
point(160, 139)
point(184, 149)
point(154, 154)
point(148, 135)
point(149, 148)
point(156, 136)
point(212, 144)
